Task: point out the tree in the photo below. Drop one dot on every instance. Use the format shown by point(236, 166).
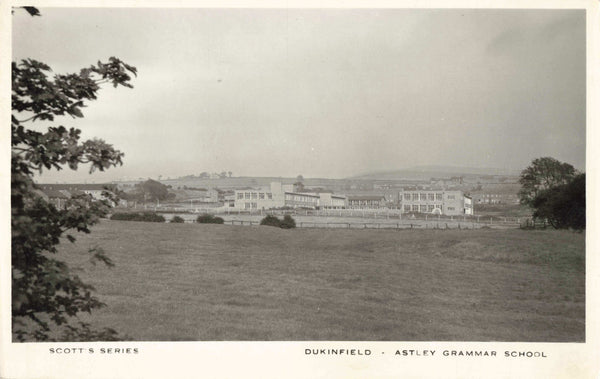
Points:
point(542, 174)
point(564, 205)
point(151, 190)
point(45, 292)
point(300, 178)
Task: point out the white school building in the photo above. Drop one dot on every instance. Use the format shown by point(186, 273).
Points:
point(279, 195)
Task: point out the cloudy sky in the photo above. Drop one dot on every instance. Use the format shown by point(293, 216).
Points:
point(322, 93)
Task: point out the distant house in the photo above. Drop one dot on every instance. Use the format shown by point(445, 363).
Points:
point(55, 197)
point(59, 193)
point(495, 198)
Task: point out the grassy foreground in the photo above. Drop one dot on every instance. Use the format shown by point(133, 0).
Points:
point(214, 282)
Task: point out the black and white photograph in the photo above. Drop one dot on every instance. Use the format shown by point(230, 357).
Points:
point(299, 175)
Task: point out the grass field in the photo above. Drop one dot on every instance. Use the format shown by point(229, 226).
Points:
point(217, 282)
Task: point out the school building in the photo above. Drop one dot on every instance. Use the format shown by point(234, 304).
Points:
point(449, 203)
point(279, 195)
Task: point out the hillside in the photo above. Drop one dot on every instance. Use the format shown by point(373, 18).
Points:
point(427, 172)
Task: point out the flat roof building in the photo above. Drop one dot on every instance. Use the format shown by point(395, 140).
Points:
point(434, 202)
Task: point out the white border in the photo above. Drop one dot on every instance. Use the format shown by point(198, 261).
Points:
point(287, 359)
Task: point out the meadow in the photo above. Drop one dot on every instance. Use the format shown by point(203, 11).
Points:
point(205, 282)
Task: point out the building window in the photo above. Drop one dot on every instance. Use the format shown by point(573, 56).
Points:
point(438, 196)
point(451, 197)
point(423, 197)
point(430, 197)
point(240, 195)
point(407, 208)
point(430, 208)
point(254, 195)
point(407, 197)
point(423, 208)
point(415, 197)
point(247, 205)
point(438, 206)
point(261, 195)
point(415, 208)
point(247, 195)
point(254, 206)
point(450, 208)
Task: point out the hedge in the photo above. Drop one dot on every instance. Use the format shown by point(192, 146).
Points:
point(138, 216)
point(209, 219)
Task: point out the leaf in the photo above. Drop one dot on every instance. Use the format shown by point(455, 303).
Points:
point(33, 11)
point(76, 112)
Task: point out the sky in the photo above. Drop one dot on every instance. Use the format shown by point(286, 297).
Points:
point(322, 93)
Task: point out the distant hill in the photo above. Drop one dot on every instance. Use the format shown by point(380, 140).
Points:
point(427, 172)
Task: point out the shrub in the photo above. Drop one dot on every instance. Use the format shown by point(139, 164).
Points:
point(270, 220)
point(209, 219)
point(288, 222)
point(138, 216)
point(177, 220)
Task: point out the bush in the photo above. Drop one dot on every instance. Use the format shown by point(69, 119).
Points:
point(288, 222)
point(138, 216)
point(270, 220)
point(177, 220)
point(209, 219)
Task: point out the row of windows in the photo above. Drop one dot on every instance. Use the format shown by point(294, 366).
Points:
point(421, 208)
point(308, 199)
point(254, 195)
point(423, 196)
point(364, 202)
point(250, 205)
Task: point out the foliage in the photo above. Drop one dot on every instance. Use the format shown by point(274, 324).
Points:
point(177, 220)
point(563, 206)
point(543, 174)
point(288, 222)
point(209, 219)
point(270, 220)
point(84, 333)
point(138, 216)
point(152, 190)
point(44, 291)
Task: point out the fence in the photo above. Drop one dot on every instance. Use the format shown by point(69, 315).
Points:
point(363, 225)
point(534, 224)
point(387, 214)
